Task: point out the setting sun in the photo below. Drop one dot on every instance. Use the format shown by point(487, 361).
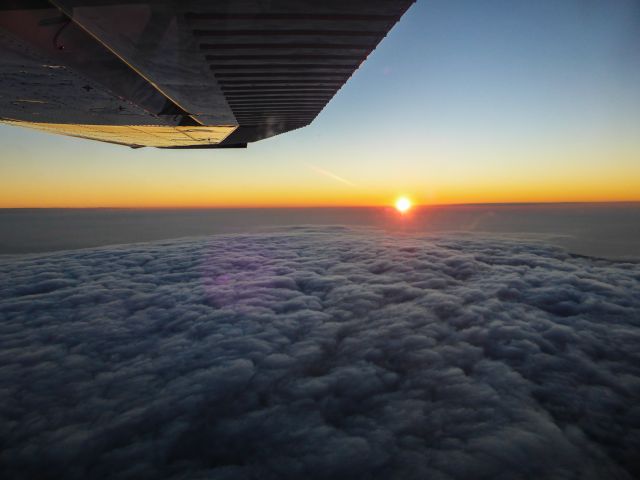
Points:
point(403, 204)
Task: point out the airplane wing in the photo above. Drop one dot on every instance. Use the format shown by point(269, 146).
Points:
point(181, 74)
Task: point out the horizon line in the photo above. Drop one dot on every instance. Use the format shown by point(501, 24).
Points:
point(311, 207)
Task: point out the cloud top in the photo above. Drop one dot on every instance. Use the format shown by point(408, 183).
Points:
point(320, 353)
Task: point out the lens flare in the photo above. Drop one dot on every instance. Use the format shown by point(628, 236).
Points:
point(403, 204)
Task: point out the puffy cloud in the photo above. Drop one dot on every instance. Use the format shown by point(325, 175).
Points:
point(320, 353)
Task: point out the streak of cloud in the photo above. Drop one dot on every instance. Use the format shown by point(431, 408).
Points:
point(329, 174)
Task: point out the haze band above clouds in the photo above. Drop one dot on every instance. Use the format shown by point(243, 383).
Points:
point(320, 353)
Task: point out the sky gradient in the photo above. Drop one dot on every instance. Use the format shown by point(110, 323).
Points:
point(503, 101)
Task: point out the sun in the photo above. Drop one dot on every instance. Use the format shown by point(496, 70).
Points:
point(403, 204)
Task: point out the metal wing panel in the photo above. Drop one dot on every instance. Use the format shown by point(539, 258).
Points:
point(254, 68)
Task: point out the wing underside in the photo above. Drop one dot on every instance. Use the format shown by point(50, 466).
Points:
point(188, 74)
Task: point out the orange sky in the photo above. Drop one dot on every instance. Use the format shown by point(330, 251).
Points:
point(99, 183)
point(80, 173)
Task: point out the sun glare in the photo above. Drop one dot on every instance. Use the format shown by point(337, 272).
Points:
point(403, 204)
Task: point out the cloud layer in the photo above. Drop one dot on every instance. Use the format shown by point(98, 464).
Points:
point(320, 353)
